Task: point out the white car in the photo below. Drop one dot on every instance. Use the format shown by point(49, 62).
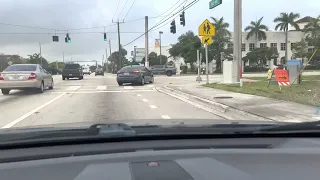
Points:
point(86, 70)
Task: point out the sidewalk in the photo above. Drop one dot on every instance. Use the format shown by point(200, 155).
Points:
point(277, 110)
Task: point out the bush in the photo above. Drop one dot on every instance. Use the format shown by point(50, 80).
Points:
point(184, 69)
point(255, 69)
point(312, 67)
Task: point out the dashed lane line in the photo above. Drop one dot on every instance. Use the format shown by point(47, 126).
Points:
point(165, 117)
point(145, 100)
point(139, 95)
point(153, 107)
point(128, 87)
point(73, 88)
point(101, 88)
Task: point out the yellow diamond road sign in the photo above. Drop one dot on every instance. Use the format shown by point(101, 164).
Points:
point(206, 29)
point(206, 40)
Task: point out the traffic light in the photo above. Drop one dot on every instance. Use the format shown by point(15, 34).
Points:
point(67, 39)
point(105, 36)
point(182, 19)
point(173, 27)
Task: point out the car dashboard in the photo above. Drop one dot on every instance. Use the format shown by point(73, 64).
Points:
point(219, 159)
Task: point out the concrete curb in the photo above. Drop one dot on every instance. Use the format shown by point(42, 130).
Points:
point(218, 106)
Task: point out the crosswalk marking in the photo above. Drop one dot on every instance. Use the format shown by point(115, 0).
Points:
point(101, 88)
point(128, 87)
point(73, 88)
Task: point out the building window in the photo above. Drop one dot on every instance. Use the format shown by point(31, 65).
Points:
point(251, 46)
point(292, 46)
point(230, 45)
point(283, 47)
point(273, 45)
point(310, 50)
point(263, 45)
point(243, 47)
point(310, 43)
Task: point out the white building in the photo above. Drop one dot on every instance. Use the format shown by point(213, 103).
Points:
point(275, 39)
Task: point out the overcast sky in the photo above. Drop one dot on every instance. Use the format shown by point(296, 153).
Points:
point(58, 16)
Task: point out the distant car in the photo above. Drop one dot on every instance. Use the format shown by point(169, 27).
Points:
point(72, 71)
point(134, 74)
point(99, 71)
point(25, 76)
point(164, 69)
point(86, 70)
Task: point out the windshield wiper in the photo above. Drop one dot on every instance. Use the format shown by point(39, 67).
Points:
point(313, 126)
point(95, 130)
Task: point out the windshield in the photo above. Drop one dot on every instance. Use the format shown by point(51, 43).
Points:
point(180, 62)
point(21, 68)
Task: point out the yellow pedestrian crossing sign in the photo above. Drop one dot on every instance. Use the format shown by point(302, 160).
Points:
point(206, 29)
point(206, 40)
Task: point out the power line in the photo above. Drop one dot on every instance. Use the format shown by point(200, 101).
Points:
point(185, 8)
point(7, 24)
point(123, 8)
point(129, 9)
point(17, 33)
point(116, 10)
point(170, 8)
point(169, 21)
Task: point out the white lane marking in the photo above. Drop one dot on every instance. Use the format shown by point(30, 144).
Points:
point(292, 120)
point(73, 88)
point(107, 91)
point(32, 112)
point(150, 86)
point(139, 95)
point(101, 87)
point(165, 117)
point(153, 107)
point(316, 117)
point(145, 100)
point(128, 87)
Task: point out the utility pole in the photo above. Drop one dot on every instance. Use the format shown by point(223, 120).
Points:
point(119, 60)
point(237, 39)
point(40, 54)
point(110, 46)
point(63, 57)
point(160, 32)
point(134, 54)
point(146, 62)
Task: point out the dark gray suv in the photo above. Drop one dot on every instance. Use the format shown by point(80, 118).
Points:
point(99, 71)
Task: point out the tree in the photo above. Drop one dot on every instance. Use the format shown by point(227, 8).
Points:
point(114, 59)
point(314, 28)
point(36, 59)
point(155, 59)
point(186, 47)
point(300, 49)
point(284, 20)
point(55, 65)
point(257, 29)
point(260, 56)
point(4, 59)
point(220, 41)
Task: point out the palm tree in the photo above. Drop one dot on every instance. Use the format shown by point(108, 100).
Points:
point(258, 30)
point(221, 38)
point(314, 27)
point(284, 20)
point(221, 27)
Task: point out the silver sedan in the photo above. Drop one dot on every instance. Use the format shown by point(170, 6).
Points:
point(25, 76)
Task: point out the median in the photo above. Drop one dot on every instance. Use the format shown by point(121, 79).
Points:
point(308, 92)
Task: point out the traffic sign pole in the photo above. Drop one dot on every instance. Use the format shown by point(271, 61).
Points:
point(207, 67)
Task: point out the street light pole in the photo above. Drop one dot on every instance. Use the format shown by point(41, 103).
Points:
point(160, 32)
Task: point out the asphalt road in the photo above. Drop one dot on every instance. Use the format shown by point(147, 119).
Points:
point(95, 99)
